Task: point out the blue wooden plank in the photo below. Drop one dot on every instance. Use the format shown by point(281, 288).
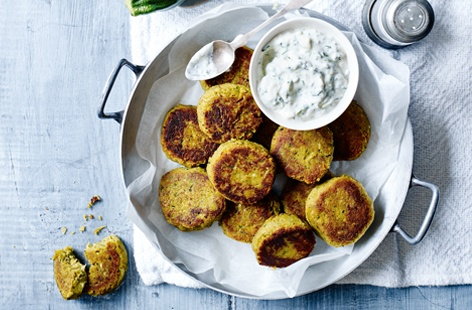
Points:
point(371, 297)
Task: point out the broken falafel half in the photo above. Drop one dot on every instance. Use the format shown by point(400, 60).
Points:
point(108, 260)
point(69, 273)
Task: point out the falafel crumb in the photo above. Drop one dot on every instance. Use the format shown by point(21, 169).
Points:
point(88, 217)
point(94, 200)
point(63, 230)
point(82, 228)
point(100, 218)
point(72, 232)
point(98, 230)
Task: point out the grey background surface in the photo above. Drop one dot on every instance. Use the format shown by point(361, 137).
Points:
point(55, 57)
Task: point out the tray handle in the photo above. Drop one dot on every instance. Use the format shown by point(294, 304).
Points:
point(117, 116)
point(429, 214)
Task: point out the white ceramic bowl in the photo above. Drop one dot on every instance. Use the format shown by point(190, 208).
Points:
point(353, 66)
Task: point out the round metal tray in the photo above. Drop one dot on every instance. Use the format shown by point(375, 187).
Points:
point(315, 277)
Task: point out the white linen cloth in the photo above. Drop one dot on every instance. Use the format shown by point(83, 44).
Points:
point(440, 109)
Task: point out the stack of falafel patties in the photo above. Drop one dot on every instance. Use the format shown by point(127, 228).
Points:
point(231, 153)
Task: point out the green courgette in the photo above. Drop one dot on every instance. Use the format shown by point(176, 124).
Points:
point(138, 7)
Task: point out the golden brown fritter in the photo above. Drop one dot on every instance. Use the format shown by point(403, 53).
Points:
point(265, 132)
point(181, 138)
point(188, 200)
point(237, 74)
point(228, 111)
point(282, 240)
point(242, 171)
point(108, 265)
point(69, 273)
point(241, 221)
point(340, 210)
point(303, 155)
point(351, 133)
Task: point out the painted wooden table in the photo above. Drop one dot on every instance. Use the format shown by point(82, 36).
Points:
point(55, 154)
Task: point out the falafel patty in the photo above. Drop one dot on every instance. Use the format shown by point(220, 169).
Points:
point(241, 221)
point(108, 260)
point(181, 138)
point(351, 133)
point(295, 193)
point(69, 273)
point(294, 197)
point(188, 200)
point(303, 155)
point(237, 74)
point(282, 240)
point(340, 210)
point(242, 171)
point(228, 111)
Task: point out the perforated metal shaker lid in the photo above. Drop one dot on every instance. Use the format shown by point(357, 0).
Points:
point(397, 23)
point(408, 20)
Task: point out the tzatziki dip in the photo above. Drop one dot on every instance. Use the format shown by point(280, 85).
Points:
point(303, 73)
point(201, 65)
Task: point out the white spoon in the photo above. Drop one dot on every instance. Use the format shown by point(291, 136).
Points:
point(216, 57)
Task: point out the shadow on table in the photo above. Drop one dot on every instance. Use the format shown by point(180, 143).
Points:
point(190, 3)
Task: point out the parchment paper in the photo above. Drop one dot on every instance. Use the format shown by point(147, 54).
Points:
point(385, 99)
